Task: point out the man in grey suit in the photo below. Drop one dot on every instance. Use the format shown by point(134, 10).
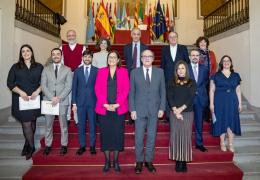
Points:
point(147, 104)
point(56, 83)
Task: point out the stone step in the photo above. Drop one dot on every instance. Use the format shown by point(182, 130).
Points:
point(250, 169)
point(13, 172)
point(15, 141)
point(250, 127)
point(247, 115)
point(251, 149)
point(247, 157)
point(247, 139)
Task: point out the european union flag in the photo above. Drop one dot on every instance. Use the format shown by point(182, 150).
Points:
point(159, 27)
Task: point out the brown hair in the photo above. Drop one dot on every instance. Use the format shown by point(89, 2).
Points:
point(119, 64)
point(176, 79)
point(201, 38)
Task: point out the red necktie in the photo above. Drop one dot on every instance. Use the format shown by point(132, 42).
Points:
point(134, 57)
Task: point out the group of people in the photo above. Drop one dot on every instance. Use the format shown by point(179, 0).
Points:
point(97, 87)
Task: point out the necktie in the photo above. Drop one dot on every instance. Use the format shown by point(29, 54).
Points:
point(56, 71)
point(134, 57)
point(86, 74)
point(147, 79)
point(195, 72)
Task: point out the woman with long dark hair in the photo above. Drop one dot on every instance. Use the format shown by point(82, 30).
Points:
point(24, 81)
point(226, 103)
point(180, 95)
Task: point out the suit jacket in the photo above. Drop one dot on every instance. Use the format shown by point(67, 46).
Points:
point(128, 54)
point(167, 63)
point(201, 95)
point(122, 85)
point(83, 92)
point(147, 100)
point(60, 86)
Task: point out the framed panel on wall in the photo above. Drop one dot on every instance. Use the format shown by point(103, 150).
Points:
point(205, 7)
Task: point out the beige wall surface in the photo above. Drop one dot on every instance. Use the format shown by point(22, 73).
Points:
point(7, 42)
point(237, 47)
point(187, 24)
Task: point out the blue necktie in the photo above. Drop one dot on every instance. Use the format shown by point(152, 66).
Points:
point(86, 74)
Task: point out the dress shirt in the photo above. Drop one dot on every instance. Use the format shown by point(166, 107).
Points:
point(149, 72)
point(173, 50)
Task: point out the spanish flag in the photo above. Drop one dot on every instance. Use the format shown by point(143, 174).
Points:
point(103, 28)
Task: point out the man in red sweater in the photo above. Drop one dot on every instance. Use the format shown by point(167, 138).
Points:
point(72, 57)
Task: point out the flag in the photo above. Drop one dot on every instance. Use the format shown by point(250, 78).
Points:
point(141, 14)
point(135, 17)
point(93, 11)
point(128, 15)
point(167, 20)
point(150, 23)
point(172, 23)
point(102, 22)
point(163, 9)
point(107, 7)
point(118, 16)
point(146, 15)
point(90, 25)
point(124, 19)
point(159, 21)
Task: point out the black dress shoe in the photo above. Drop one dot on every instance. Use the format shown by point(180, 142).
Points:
point(63, 150)
point(47, 150)
point(107, 166)
point(93, 150)
point(177, 166)
point(116, 166)
point(138, 167)
point(184, 166)
point(30, 153)
point(150, 167)
point(130, 121)
point(80, 151)
point(201, 148)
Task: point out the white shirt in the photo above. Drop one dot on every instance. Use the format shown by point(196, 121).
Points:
point(89, 67)
point(149, 72)
point(195, 66)
point(173, 50)
point(138, 46)
point(56, 64)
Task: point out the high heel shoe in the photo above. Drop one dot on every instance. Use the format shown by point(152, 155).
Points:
point(25, 149)
point(30, 153)
point(223, 147)
point(231, 148)
point(116, 166)
point(107, 166)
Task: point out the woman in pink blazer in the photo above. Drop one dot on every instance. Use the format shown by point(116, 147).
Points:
point(112, 88)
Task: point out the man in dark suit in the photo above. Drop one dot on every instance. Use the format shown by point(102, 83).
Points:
point(147, 101)
point(132, 53)
point(84, 101)
point(199, 73)
point(171, 54)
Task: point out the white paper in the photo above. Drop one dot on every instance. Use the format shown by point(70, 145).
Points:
point(49, 109)
point(28, 105)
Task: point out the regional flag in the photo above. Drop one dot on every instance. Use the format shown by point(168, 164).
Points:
point(159, 22)
point(103, 27)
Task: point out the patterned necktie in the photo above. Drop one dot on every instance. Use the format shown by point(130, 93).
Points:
point(147, 79)
point(56, 71)
point(135, 57)
point(195, 72)
point(86, 74)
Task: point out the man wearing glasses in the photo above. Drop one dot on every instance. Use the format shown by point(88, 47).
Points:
point(147, 101)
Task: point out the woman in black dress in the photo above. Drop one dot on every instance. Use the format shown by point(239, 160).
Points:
point(24, 81)
point(180, 95)
point(112, 88)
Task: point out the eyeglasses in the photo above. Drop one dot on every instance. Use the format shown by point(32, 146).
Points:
point(147, 57)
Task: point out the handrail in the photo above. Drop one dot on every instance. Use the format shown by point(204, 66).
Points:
point(229, 15)
point(38, 15)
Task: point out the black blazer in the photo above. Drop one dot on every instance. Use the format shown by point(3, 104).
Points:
point(128, 53)
point(167, 63)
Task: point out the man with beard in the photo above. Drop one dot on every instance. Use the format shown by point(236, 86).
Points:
point(84, 101)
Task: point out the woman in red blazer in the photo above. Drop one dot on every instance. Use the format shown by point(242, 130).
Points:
point(112, 88)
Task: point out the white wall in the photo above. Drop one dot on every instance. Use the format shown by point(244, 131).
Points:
point(11, 39)
point(7, 42)
point(187, 24)
point(41, 46)
point(237, 46)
